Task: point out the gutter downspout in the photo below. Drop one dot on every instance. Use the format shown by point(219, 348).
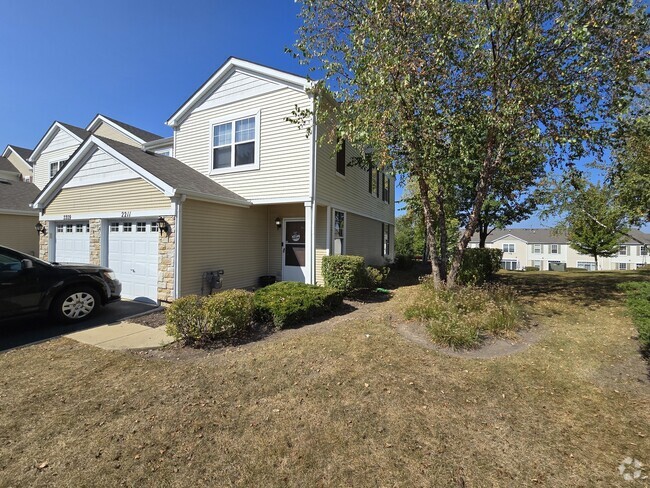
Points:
point(178, 215)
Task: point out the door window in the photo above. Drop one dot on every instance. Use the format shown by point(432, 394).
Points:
point(294, 241)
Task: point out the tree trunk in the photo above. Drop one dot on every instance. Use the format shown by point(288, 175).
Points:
point(490, 163)
point(427, 211)
point(483, 233)
point(442, 231)
point(596, 259)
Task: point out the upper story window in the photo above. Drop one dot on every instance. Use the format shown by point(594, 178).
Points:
point(235, 144)
point(508, 248)
point(537, 249)
point(385, 193)
point(340, 159)
point(555, 249)
point(622, 251)
point(55, 167)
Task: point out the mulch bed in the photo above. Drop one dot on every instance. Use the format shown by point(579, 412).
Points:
point(153, 319)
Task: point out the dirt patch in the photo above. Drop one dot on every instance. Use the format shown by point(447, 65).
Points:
point(493, 347)
point(152, 319)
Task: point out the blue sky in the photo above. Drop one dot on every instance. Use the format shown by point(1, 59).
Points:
point(134, 60)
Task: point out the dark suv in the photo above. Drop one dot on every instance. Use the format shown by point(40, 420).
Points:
point(68, 292)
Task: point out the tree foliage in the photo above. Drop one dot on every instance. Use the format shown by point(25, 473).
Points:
point(448, 92)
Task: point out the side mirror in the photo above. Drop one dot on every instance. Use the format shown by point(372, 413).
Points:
point(26, 264)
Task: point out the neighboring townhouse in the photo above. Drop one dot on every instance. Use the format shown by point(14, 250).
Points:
point(542, 248)
point(17, 218)
point(236, 194)
point(18, 157)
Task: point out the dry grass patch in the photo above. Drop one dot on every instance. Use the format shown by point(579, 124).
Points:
point(353, 404)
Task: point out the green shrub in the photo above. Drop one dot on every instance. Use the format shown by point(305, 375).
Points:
point(377, 276)
point(460, 317)
point(287, 303)
point(531, 268)
point(199, 319)
point(345, 273)
point(638, 302)
point(479, 265)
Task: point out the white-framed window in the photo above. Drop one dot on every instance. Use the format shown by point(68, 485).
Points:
point(537, 249)
point(141, 227)
point(622, 250)
point(115, 227)
point(126, 226)
point(537, 263)
point(643, 250)
point(338, 232)
point(154, 226)
point(68, 228)
point(385, 239)
point(555, 249)
point(508, 248)
point(79, 228)
point(509, 264)
point(55, 167)
point(622, 266)
point(340, 159)
point(385, 192)
point(235, 143)
point(588, 265)
point(59, 228)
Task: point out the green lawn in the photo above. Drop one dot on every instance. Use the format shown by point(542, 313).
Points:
point(345, 403)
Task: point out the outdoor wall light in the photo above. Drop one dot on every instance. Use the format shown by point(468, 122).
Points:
point(278, 222)
point(40, 228)
point(163, 226)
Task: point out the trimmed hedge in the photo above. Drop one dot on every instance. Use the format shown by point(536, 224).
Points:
point(638, 303)
point(376, 276)
point(223, 315)
point(344, 273)
point(479, 265)
point(287, 303)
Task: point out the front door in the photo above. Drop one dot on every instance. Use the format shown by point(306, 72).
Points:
point(293, 250)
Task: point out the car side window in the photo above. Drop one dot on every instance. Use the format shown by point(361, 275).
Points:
point(9, 263)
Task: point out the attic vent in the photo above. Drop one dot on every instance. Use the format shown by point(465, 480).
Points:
point(148, 151)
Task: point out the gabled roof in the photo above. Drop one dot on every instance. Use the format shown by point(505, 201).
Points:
point(15, 197)
point(169, 175)
point(5, 165)
point(289, 79)
point(23, 152)
point(550, 236)
point(76, 132)
point(140, 135)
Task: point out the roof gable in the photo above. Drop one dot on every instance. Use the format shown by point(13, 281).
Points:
point(21, 152)
point(75, 132)
point(250, 78)
point(140, 136)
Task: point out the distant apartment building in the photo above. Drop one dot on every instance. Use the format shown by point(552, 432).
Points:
point(542, 248)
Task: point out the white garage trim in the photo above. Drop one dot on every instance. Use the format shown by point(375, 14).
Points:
point(115, 214)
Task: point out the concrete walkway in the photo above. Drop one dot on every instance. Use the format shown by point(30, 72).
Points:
point(124, 335)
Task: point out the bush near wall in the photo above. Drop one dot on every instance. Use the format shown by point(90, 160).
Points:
point(479, 265)
point(345, 273)
point(376, 276)
point(638, 303)
point(287, 303)
point(224, 315)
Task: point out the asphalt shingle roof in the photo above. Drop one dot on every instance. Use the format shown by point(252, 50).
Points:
point(23, 152)
point(173, 172)
point(17, 195)
point(5, 165)
point(549, 236)
point(146, 136)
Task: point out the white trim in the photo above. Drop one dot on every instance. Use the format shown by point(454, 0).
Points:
point(232, 119)
point(328, 232)
point(47, 138)
point(18, 212)
point(28, 168)
point(100, 118)
point(309, 242)
point(110, 214)
point(279, 200)
point(159, 143)
point(177, 248)
point(313, 151)
point(103, 242)
point(284, 245)
point(292, 81)
point(325, 202)
point(208, 197)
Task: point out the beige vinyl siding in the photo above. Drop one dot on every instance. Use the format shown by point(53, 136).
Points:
point(294, 210)
point(22, 167)
point(115, 196)
point(105, 130)
point(215, 236)
point(320, 241)
point(364, 238)
point(59, 149)
point(18, 233)
point(349, 192)
point(284, 150)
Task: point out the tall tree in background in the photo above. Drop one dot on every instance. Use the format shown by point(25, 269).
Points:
point(417, 79)
point(594, 222)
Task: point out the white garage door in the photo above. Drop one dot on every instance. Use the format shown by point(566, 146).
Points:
point(133, 255)
point(72, 242)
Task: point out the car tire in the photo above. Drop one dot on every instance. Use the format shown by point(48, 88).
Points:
point(75, 304)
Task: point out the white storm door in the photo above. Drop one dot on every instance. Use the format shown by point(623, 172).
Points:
point(72, 243)
point(133, 255)
point(293, 250)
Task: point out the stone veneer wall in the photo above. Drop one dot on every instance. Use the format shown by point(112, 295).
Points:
point(95, 241)
point(43, 247)
point(166, 249)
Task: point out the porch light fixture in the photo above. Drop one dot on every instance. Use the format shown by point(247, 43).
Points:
point(278, 222)
point(163, 225)
point(40, 228)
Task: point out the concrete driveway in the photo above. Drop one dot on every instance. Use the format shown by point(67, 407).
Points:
point(36, 329)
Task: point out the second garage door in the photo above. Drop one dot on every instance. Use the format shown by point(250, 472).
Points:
point(133, 255)
point(72, 242)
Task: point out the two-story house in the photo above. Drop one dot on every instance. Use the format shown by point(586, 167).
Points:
point(541, 248)
point(238, 192)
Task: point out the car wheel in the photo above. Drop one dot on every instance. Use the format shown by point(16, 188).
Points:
point(75, 304)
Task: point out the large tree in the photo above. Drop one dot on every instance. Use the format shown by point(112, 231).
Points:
point(416, 79)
